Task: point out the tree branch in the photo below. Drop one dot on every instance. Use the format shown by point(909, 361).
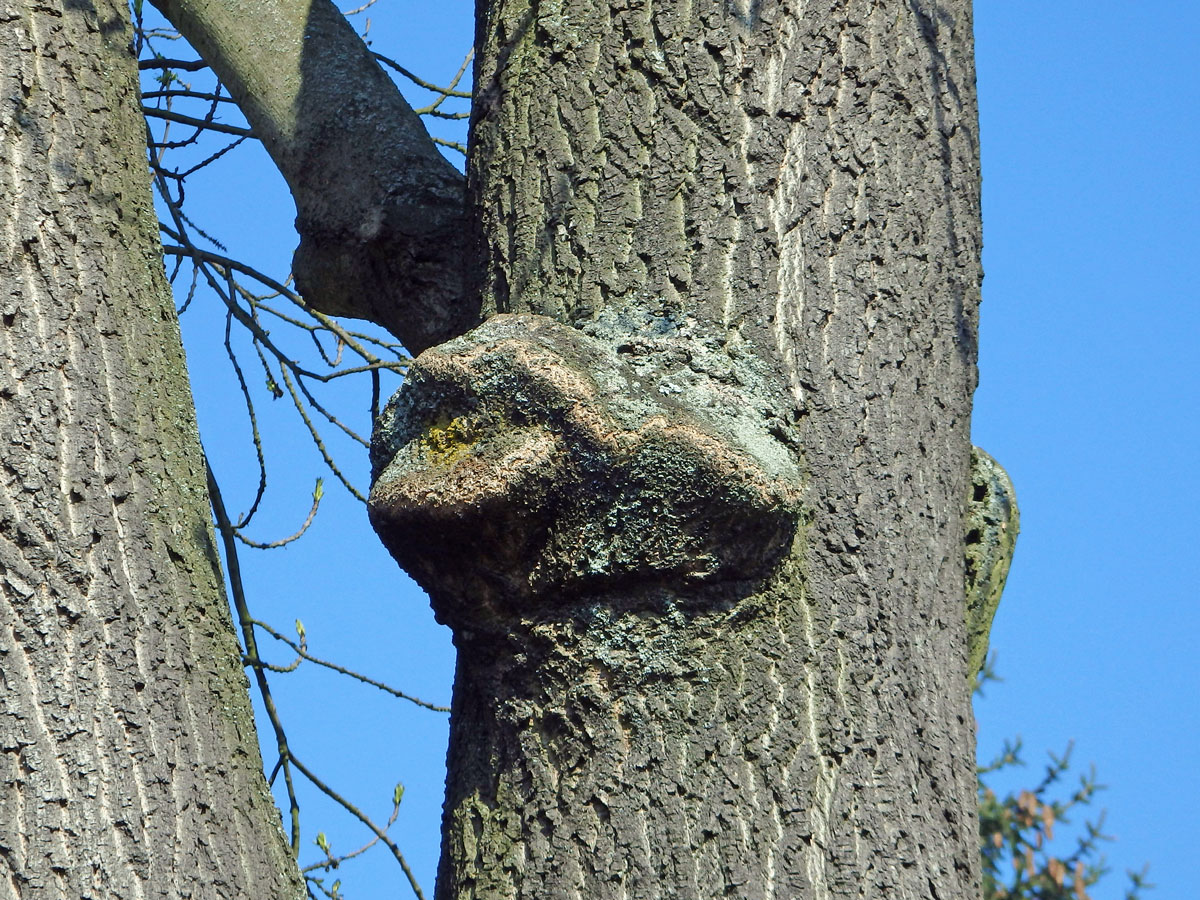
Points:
point(208, 124)
point(379, 210)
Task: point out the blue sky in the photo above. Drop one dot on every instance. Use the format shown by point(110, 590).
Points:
point(1088, 395)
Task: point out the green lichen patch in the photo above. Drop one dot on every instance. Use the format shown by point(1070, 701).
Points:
point(446, 439)
point(992, 524)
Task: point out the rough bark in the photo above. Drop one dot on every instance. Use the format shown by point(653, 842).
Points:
point(379, 210)
point(129, 764)
point(776, 202)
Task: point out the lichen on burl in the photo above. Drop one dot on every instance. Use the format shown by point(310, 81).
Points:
point(446, 439)
point(527, 465)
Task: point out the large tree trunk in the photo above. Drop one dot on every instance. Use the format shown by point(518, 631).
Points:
point(130, 766)
point(695, 511)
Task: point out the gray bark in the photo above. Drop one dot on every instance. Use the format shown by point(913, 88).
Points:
point(129, 764)
point(771, 207)
point(379, 210)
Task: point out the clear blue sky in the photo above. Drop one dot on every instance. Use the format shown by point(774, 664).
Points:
point(1088, 395)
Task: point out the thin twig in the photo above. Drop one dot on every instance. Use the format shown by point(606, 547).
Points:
point(302, 651)
point(256, 436)
point(195, 95)
point(420, 82)
point(332, 862)
point(234, 570)
point(449, 89)
point(210, 159)
point(191, 294)
point(330, 417)
point(201, 124)
point(351, 338)
point(319, 441)
point(453, 145)
point(358, 814)
point(184, 65)
point(181, 218)
point(312, 514)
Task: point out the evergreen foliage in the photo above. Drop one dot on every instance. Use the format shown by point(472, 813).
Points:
point(1029, 843)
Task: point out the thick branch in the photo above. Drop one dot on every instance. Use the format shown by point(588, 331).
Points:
point(379, 210)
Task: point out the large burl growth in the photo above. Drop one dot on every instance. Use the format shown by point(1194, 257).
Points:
point(528, 464)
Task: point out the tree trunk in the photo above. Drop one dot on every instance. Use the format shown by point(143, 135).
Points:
point(130, 765)
point(694, 505)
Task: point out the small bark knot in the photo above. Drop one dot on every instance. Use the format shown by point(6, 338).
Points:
point(527, 465)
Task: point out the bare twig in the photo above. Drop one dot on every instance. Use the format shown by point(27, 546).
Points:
point(453, 145)
point(351, 338)
point(362, 817)
point(256, 436)
point(438, 114)
point(449, 91)
point(318, 491)
point(301, 650)
point(183, 65)
point(210, 159)
point(420, 82)
point(201, 124)
point(233, 568)
point(319, 441)
point(187, 93)
point(332, 862)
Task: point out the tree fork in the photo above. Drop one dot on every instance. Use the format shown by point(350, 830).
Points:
point(380, 211)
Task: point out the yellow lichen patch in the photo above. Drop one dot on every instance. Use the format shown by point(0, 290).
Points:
point(446, 439)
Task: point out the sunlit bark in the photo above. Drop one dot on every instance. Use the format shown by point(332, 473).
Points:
point(130, 765)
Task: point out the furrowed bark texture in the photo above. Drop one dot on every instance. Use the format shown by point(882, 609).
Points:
point(770, 207)
point(379, 210)
point(129, 765)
